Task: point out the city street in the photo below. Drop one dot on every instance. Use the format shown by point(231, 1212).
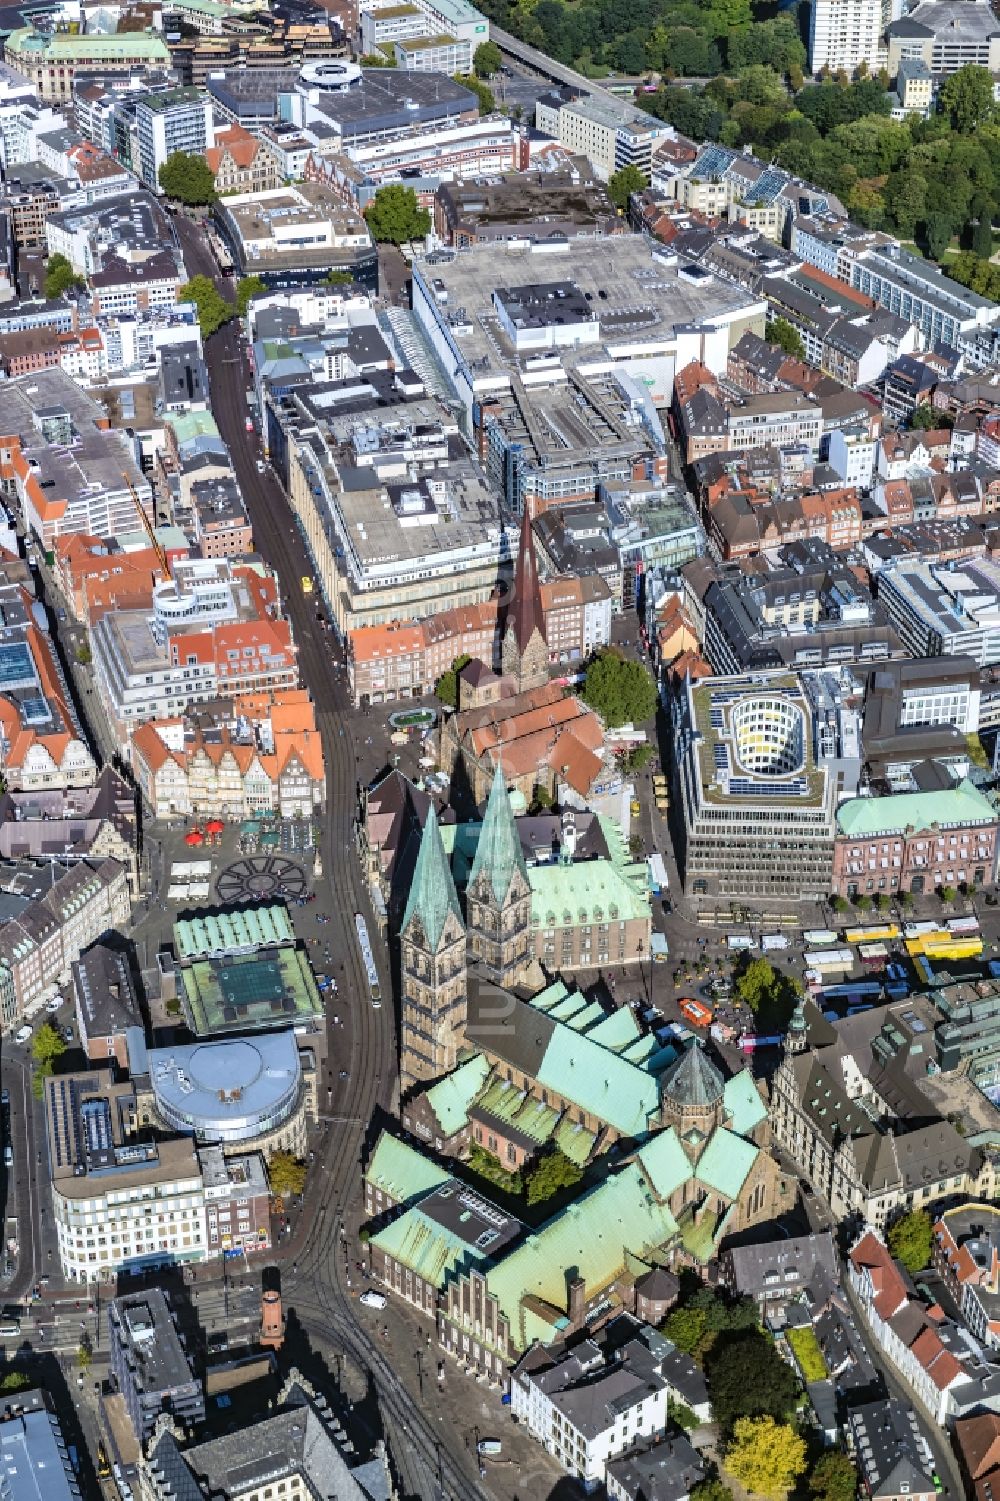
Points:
point(427, 1454)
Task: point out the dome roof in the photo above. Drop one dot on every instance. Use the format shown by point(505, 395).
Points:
point(693, 1082)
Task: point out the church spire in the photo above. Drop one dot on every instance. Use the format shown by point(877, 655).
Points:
point(498, 854)
point(524, 650)
point(526, 615)
point(432, 890)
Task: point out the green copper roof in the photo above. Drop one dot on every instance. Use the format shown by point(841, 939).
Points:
point(432, 891)
point(574, 1141)
point(591, 1239)
point(694, 1079)
point(598, 1081)
point(427, 1248)
point(725, 1163)
point(866, 816)
point(188, 425)
point(514, 1107)
point(401, 1171)
point(743, 1104)
point(451, 1097)
point(665, 1162)
point(498, 853)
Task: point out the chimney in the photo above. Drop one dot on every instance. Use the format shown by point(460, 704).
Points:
point(577, 1297)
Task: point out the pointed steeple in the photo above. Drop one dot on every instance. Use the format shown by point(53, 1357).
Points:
point(526, 614)
point(498, 853)
point(432, 890)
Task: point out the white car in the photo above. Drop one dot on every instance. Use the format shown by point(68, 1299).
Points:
point(373, 1299)
point(22, 1034)
point(53, 1006)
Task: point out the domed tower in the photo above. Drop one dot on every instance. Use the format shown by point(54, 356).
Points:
point(691, 1098)
point(498, 896)
point(798, 1031)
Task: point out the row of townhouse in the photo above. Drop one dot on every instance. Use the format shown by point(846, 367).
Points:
point(279, 769)
point(40, 945)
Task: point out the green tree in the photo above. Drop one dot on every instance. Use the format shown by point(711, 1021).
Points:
point(187, 179)
point(377, 60)
point(787, 337)
point(247, 289)
point(211, 307)
point(14, 1381)
point(839, 903)
point(623, 183)
point(287, 1174)
point(446, 687)
point(83, 654)
point(60, 276)
point(747, 1378)
point(541, 799)
point(905, 898)
point(620, 691)
point(910, 1239)
point(47, 1045)
point(682, 1415)
point(947, 893)
point(924, 417)
point(938, 231)
point(765, 1456)
point(966, 98)
point(484, 95)
point(686, 1327)
point(487, 60)
point(770, 993)
point(337, 279)
point(862, 902)
point(394, 215)
point(553, 1172)
point(711, 1490)
point(833, 1477)
point(881, 902)
point(982, 239)
point(84, 1352)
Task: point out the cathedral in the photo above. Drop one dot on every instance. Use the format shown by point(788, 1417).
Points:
point(437, 943)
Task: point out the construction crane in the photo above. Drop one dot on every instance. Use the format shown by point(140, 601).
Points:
point(154, 540)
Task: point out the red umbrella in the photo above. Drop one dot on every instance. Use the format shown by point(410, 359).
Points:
point(194, 837)
point(214, 826)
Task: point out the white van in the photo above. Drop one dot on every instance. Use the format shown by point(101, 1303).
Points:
point(22, 1034)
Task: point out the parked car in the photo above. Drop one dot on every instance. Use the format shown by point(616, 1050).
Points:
point(22, 1034)
point(372, 1299)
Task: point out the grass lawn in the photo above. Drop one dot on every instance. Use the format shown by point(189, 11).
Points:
point(808, 1355)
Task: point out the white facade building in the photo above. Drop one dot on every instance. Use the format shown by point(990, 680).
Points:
point(844, 34)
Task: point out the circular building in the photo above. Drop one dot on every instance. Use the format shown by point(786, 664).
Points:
point(248, 1091)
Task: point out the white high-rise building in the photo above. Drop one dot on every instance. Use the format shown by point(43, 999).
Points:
point(844, 34)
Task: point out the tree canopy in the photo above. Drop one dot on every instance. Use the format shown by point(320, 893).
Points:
point(711, 1490)
point(484, 94)
point(14, 1381)
point(747, 1378)
point(212, 308)
point(619, 690)
point(967, 98)
point(910, 1240)
point(487, 60)
point(696, 1324)
point(247, 289)
point(623, 183)
point(60, 276)
point(394, 215)
point(47, 1045)
point(787, 337)
point(770, 993)
point(446, 687)
point(286, 1174)
point(188, 179)
point(765, 1456)
point(833, 1477)
point(554, 1171)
